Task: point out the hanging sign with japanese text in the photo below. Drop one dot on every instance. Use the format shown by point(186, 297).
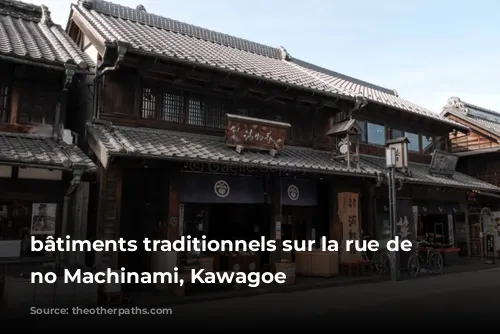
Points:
point(443, 163)
point(255, 133)
point(348, 212)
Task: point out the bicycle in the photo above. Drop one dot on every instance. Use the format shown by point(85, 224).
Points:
point(380, 259)
point(433, 261)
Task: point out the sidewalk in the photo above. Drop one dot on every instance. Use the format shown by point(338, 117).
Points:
point(158, 298)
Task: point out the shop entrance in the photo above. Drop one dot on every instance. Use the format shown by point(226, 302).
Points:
point(228, 222)
point(143, 198)
point(435, 228)
point(296, 225)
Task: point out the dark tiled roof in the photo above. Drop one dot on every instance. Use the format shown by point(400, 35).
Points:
point(149, 39)
point(32, 149)
point(168, 145)
point(483, 118)
point(371, 92)
point(420, 175)
point(149, 19)
point(155, 35)
point(180, 146)
point(27, 32)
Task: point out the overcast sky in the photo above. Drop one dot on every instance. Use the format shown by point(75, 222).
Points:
point(426, 50)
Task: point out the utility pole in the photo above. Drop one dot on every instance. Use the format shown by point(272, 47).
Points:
point(390, 157)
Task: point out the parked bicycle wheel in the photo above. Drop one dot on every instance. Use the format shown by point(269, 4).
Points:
point(381, 261)
point(413, 265)
point(435, 263)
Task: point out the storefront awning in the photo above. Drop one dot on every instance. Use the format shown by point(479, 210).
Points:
point(217, 188)
point(433, 208)
point(420, 175)
point(28, 150)
point(299, 192)
point(108, 140)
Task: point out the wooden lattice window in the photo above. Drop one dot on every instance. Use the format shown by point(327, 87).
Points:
point(37, 103)
point(173, 107)
point(148, 110)
point(163, 106)
point(4, 93)
point(196, 112)
point(216, 114)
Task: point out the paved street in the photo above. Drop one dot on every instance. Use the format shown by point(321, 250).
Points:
point(440, 297)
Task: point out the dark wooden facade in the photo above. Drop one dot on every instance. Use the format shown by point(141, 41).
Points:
point(141, 91)
point(479, 158)
point(480, 152)
point(171, 97)
point(33, 104)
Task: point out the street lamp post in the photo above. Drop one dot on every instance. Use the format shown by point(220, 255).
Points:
point(390, 159)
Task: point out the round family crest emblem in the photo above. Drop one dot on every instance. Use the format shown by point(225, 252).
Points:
point(221, 188)
point(174, 221)
point(293, 192)
point(236, 267)
point(252, 266)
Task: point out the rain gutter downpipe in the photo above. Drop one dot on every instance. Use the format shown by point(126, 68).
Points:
point(75, 182)
point(122, 49)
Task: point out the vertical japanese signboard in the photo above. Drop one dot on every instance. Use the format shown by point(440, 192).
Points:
point(348, 212)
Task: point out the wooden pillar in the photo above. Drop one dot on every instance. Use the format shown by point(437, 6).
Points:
point(372, 212)
point(173, 206)
point(78, 219)
point(109, 209)
point(465, 210)
point(14, 104)
point(170, 227)
point(335, 226)
point(274, 190)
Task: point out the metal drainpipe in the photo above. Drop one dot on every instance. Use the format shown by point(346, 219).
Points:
point(64, 223)
point(122, 49)
point(60, 116)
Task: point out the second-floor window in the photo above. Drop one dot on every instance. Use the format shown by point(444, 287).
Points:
point(182, 107)
point(414, 144)
point(37, 103)
point(196, 112)
point(373, 133)
point(430, 143)
point(173, 107)
point(427, 144)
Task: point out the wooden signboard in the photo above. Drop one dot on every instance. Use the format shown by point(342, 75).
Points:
point(255, 133)
point(443, 163)
point(348, 211)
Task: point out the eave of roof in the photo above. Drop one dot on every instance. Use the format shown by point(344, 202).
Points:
point(461, 110)
point(107, 140)
point(31, 150)
point(113, 22)
point(28, 35)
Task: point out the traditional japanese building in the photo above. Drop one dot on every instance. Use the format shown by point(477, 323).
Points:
point(479, 158)
point(44, 176)
point(201, 133)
